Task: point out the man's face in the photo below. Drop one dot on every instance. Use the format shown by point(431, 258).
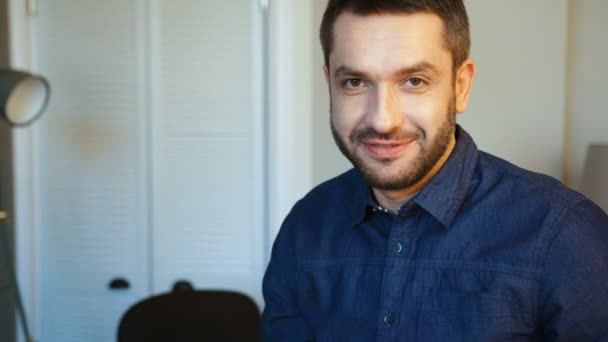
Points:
point(393, 100)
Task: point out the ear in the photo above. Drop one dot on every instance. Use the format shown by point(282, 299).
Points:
point(326, 72)
point(464, 84)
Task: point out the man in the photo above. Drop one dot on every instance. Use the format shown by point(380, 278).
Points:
point(427, 238)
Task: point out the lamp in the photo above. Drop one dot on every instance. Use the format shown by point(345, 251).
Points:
point(595, 175)
point(23, 98)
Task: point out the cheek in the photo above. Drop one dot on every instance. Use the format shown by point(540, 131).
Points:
point(347, 112)
point(426, 113)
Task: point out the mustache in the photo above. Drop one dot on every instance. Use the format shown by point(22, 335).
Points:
point(369, 133)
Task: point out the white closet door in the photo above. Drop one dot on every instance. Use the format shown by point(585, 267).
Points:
point(92, 166)
point(208, 144)
point(151, 155)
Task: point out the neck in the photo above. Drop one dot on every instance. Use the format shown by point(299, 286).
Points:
point(394, 199)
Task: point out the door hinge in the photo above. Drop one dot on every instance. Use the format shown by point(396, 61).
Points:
point(31, 7)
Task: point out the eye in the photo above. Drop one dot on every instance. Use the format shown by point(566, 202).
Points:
point(414, 82)
point(353, 83)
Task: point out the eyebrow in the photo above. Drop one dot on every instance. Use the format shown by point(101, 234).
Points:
point(412, 69)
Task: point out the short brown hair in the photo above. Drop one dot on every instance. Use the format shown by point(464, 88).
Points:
point(452, 12)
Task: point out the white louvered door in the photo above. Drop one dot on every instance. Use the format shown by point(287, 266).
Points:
point(208, 146)
point(151, 155)
point(92, 166)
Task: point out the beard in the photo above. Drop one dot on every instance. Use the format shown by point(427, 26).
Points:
point(430, 153)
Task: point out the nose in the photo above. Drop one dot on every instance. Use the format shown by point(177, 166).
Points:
point(384, 112)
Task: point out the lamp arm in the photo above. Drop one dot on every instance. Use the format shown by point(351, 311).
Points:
point(12, 275)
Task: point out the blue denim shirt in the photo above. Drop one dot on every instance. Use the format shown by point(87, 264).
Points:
point(485, 252)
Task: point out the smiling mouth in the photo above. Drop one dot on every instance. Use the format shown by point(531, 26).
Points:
point(383, 145)
point(385, 149)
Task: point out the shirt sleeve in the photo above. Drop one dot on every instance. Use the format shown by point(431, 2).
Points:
point(574, 288)
point(282, 319)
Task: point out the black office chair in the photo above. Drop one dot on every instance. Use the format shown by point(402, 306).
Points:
point(186, 315)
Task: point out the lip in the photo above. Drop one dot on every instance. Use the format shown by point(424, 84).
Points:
point(385, 149)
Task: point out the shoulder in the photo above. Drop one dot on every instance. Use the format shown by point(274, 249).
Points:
point(562, 218)
point(533, 204)
point(344, 184)
point(523, 184)
point(335, 194)
point(325, 213)
point(574, 272)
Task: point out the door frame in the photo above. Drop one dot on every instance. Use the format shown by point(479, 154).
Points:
point(290, 38)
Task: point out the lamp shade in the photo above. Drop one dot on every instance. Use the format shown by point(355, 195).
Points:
point(595, 175)
point(23, 96)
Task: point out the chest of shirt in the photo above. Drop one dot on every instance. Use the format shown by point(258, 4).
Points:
point(410, 279)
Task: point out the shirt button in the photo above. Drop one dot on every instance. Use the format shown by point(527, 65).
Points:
point(389, 319)
point(397, 248)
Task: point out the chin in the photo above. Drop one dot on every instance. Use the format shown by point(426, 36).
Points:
point(384, 179)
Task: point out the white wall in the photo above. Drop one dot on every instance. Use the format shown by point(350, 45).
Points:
point(539, 93)
point(517, 107)
point(587, 108)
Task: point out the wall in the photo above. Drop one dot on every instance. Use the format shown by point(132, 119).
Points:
point(518, 102)
point(517, 106)
point(587, 113)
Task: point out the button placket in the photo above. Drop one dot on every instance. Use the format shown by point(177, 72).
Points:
point(400, 236)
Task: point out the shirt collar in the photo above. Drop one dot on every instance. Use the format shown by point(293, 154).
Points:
point(361, 198)
point(443, 196)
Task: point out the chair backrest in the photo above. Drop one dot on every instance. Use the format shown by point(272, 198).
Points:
point(191, 316)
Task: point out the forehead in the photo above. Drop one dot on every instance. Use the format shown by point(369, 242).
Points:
point(381, 43)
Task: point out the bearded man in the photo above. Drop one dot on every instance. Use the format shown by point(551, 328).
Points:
point(427, 238)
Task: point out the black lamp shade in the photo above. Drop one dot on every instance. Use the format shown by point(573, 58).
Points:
point(23, 96)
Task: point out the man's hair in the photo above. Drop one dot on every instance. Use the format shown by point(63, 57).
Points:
point(452, 13)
